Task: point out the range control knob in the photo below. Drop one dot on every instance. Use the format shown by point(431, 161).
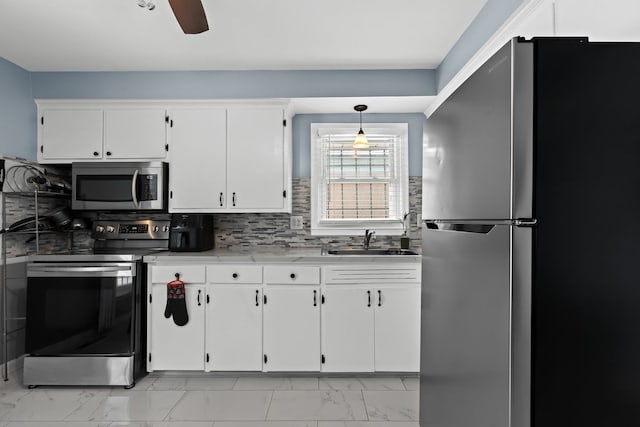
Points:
point(99, 229)
point(110, 228)
point(165, 228)
point(156, 228)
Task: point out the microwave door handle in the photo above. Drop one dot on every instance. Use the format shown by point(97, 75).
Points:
point(134, 189)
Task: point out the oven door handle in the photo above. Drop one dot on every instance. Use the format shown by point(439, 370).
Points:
point(134, 189)
point(118, 270)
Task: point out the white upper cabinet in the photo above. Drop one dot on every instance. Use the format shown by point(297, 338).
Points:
point(69, 134)
point(233, 159)
point(255, 159)
point(96, 131)
point(197, 170)
point(135, 133)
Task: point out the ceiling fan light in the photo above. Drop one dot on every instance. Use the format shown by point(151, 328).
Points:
point(361, 140)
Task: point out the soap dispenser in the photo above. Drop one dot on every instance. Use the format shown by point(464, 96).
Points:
point(404, 239)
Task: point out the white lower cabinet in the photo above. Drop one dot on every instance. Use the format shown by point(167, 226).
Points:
point(173, 347)
point(234, 328)
point(287, 318)
point(367, 329)
point(397, 329)
point(291, 329)
point(347, 329)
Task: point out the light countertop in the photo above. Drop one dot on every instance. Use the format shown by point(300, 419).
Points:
point(274, 255)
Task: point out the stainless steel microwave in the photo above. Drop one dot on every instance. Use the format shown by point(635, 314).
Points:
point(119, 186)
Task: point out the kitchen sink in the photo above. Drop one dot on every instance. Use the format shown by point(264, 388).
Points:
point(369, 252)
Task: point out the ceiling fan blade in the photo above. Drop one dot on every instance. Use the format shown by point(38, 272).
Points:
point(190, 15)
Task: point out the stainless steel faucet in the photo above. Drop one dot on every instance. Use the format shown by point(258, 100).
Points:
point(368, 237)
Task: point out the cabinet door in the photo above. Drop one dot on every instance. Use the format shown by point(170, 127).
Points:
point(172, 347)
point(347, 329)
point(71, 134)
point(397, 329)
point(234, 328)
point(197, 170)
point(255, 159)
point(135, 134)
point(292, 328)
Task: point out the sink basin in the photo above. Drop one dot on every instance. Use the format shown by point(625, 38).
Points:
point(370, 252)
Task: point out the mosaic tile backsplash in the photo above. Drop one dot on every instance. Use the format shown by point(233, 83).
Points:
point(263, 229)
point(231, 230)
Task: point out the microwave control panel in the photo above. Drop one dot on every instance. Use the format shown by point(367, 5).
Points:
point(148, 187)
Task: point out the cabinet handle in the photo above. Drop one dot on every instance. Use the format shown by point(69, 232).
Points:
point(95, 153)
point(233, 199)
point(379, 298)
point(234, 275)
point(368, 298)
point(293, 275)
point(221, 199)
point(199, 292)
point(257, 296)
point(315, 298)
point(208, 299)
point(264, 299)
point(108, 153)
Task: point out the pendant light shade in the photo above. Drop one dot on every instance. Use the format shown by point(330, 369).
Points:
point(361, 139)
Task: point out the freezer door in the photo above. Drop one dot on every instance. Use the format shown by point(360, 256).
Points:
point(477, 147)
point(465, 343)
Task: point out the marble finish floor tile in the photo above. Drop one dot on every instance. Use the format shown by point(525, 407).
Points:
point(265, 424)
point(363, 383)
point(317, 405)
point(276, 383)
point(53, 424)
point(45, 405)
point(127, 405)
point(160, 424)
point(391, 405)
point(222, 405)
point(193, 383)
point(411, 384)
point(368, 424)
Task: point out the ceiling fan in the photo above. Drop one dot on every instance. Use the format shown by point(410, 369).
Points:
point(189, 14)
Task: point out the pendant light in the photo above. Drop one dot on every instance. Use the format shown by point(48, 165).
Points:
point(361, 139)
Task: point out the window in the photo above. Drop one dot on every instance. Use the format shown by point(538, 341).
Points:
point(353, 190)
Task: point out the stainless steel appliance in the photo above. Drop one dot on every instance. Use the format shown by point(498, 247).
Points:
point(119, 186)
point(530, 296)
point(86, 313)
point(191, 232)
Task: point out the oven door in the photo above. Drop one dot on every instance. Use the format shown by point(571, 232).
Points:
point(81, 309)
point(119, 186)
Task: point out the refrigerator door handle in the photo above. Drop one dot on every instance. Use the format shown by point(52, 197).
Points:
point(460, 227)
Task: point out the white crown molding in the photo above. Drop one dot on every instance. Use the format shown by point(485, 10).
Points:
point(507, 30)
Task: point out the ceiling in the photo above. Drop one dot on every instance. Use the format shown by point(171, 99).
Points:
point(117, 35)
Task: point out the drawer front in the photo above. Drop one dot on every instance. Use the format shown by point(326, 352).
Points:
point(372, 274)
point(167, 273)
point(234, 273)
point(290, 275)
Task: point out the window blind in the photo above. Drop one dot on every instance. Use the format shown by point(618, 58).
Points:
point(363, 184)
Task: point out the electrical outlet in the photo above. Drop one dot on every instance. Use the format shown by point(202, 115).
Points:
point(296, 222)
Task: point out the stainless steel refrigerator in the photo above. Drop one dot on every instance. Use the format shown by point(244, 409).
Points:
point(531, 241)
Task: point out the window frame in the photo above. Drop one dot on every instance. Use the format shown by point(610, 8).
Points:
point(352, 227)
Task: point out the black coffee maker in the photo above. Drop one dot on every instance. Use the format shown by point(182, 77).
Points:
point(191, 232)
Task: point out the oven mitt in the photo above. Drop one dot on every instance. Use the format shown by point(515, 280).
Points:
point(176, 304)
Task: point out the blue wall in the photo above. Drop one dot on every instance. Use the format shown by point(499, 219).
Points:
point(17, 112)
point(491, 17)
point(233, 84)
point(302, 136)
